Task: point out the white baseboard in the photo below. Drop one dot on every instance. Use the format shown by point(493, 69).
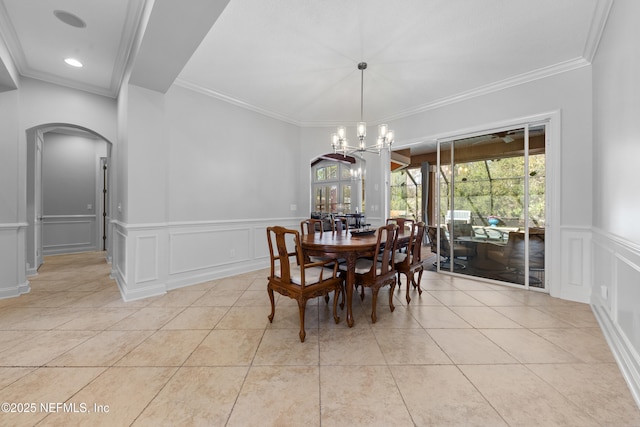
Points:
point(129, 295)
point(15, 291)
point(625, 355)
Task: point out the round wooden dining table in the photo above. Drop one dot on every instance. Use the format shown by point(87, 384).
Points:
point(344, 245)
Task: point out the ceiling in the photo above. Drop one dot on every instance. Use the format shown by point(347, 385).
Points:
point(297, 60)
point(38, 41)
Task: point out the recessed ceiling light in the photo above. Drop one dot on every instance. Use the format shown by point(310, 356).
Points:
point(69, 18)
point(73, 62)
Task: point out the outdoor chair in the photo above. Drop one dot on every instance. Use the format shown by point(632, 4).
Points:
point(512, 256)
point(459, 250)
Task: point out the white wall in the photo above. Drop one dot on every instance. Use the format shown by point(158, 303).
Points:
point(42, 103)
point(226, 162)
point(9, 154)
point(147, 158)
point(617, 124)
point(13, 280)
point(204, 180)
point(616, 134)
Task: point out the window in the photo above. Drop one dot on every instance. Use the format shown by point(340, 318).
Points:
point(332, 187)
point(406, 193)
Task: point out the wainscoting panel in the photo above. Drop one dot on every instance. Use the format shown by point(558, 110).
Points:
point(260, 243)
point(575, 264)
point(150, 259)
point(616, 301)
point(147, 261)
point(603, 261)
point(628, 299)
point(205, 249)
point(119, 266)
point(67, 234)
point(13, 280)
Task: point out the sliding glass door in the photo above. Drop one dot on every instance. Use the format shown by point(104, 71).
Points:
point(406, 194)
point(492, 205)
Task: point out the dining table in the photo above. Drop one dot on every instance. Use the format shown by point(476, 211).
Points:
point(348, 245)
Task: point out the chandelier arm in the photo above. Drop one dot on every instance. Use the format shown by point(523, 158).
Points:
point(339, 140)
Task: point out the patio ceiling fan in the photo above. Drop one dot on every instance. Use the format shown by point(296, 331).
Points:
point(505, 136)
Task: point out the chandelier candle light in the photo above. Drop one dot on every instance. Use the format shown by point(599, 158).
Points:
point(339, 140)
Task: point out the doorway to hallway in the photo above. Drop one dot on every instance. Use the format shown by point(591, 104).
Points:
point(67, 192)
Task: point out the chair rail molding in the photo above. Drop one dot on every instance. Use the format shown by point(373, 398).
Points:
point(151, 259)
point(614, 299)
point(13, 271)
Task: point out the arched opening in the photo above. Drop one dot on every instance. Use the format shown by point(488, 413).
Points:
point(67, 192)
point(337, 185)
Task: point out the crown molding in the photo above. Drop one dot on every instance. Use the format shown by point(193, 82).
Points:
point(127, 42)
point(596, 29)
point(49, 78)
point(521, 79)
point(518, 80)
point(234, 101)
point(8, 33)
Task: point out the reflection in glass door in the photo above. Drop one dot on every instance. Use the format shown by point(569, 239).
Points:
point(492, 205)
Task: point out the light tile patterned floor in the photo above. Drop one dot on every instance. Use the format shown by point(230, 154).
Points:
point(464, 353)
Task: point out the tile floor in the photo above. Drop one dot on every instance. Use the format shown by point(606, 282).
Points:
point(464, 353)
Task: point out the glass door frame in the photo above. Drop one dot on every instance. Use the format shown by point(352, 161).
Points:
point(437, 199)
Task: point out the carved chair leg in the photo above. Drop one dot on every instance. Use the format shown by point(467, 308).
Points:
point(302, 305)
point(273, 306)
point(335, 304)
point(417, 283)
point(409, 283)
point(343, 290)
point(393, 285)
point(374, 302)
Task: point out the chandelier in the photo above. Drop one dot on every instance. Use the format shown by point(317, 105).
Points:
point(339, 140)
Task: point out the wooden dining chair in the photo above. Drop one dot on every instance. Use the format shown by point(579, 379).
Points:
point(311, 225)
point(378, 271)
point(340, 224)
point(410, 263)
point(404, 224)
point(299, 280)
point(401, 222)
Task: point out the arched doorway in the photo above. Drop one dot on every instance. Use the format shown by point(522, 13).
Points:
point(67, 192)
point(337, 184)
